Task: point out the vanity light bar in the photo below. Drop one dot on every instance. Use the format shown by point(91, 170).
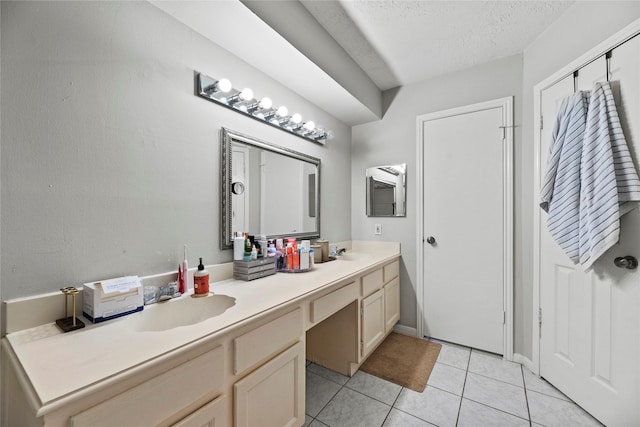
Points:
point(243, 101)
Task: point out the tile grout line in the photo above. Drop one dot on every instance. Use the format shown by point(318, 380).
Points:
point(464, 384)
point(526, 396)
point(392, 406)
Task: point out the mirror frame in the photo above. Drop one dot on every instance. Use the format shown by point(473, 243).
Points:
point(227, 137)
point(368, 176)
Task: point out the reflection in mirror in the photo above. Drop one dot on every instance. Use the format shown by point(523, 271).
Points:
point(267, 190)
point(386, 190)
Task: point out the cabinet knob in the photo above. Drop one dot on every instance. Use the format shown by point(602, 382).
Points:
point(431, 240)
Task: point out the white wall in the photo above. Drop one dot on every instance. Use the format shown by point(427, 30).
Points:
point(392, 140)
point(109, 162)
point(581, 27)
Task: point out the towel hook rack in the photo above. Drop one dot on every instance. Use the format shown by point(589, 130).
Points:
point(607, 57)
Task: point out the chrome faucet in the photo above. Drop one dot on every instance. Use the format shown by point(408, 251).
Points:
point(341, 251)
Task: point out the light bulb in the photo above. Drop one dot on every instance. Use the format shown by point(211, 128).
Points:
point(296, 118)
point(266, 103)
point(223, 85)
point(246, 94)
point(283, 111)
point(309, 125)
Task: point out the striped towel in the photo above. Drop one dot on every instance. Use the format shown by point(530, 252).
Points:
point(608, 177)
point(560, 194)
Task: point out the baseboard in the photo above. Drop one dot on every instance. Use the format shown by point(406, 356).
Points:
point(524, 361)
point(406, 330)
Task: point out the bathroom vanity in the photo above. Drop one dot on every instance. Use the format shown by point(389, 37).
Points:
point(236, 357)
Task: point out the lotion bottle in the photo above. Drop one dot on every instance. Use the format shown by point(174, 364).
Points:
point(201, 281)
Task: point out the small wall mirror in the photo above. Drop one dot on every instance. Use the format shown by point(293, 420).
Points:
point(267, 190)
point(386, 190)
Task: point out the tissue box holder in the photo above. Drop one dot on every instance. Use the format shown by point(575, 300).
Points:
point(109, 299)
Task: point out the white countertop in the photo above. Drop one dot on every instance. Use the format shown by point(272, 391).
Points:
point(59, 365)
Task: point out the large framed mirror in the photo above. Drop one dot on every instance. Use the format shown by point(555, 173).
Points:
point(387, 190)
point(267, 190)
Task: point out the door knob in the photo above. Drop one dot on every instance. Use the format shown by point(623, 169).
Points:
point(629, 262)
point(431, 240)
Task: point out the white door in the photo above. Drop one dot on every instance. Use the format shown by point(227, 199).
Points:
point(466, 210)
point(590, 330)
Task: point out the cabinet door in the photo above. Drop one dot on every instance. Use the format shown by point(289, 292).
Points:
point(391, 303)
point(273, 395)
point(213, 414)
point(372, 321)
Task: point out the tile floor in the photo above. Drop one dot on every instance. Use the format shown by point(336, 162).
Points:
point(466, 388)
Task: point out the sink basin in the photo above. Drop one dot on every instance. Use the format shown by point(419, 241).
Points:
point(183, 311)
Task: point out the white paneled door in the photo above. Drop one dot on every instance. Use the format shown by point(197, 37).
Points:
point(466, 224)
point(590, 321)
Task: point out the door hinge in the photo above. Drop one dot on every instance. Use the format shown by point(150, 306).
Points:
point(540, 321)
point(541, 123)
point(504, 317)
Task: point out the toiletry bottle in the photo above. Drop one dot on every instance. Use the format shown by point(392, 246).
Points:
point(296, 259)
point(201, 281)
point(238, 246)
point(185, 273)
point(312, 258)
point(247, 243)
point(254, 253)
point(259, 249)
point(304, 258)
point(289, 259)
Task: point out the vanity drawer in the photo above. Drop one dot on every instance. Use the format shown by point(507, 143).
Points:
point(156, 400)
point(391, 271)
point(325, 306)
point(372, 282)
point(266, 340)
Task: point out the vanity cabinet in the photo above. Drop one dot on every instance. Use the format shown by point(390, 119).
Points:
point(273, 395)
point(212, 414)
point(349, 322)
point(373, 321)
point(380, 310)
point(249, 372)
point(391, 303)
point(161, 399)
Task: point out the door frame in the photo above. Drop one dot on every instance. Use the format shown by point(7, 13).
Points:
point(507, 172)
point(599, 50)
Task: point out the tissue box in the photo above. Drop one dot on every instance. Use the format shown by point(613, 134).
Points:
point(112, 298)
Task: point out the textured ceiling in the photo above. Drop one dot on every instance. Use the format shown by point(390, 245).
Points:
point(351, 50)
point(403, 42)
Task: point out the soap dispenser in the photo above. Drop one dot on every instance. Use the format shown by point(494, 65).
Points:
point(201, 281)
